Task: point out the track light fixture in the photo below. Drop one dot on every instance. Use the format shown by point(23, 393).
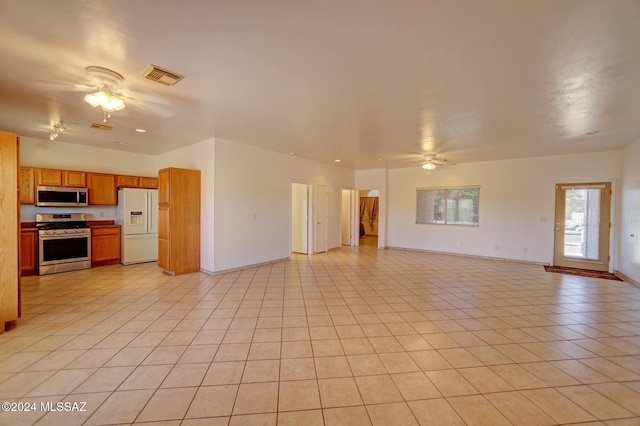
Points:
point(56, 129)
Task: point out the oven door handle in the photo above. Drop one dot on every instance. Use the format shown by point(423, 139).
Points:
point(64, 236)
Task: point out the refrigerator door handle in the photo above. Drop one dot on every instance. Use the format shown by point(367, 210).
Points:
point(149, 218)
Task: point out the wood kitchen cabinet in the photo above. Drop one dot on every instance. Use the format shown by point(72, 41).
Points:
point(27, 185)
point(124, 181)
point(102, 189)
point(9, 229)
point(48, 177)
point(105, 245)
point(148, 182)
point(28, 252)
point(55, 177)
point(179, 220)
point(73, 178)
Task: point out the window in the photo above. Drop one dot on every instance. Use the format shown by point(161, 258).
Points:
point(448, 206)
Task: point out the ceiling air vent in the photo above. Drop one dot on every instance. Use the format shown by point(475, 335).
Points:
point(159, 75)
point(99, 126)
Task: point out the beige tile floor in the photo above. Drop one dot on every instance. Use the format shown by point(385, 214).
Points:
point(350, 337)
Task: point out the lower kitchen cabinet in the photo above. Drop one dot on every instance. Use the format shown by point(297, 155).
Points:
point(28, 252)
point(105, 245)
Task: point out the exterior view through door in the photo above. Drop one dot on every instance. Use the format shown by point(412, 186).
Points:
point(582, 226)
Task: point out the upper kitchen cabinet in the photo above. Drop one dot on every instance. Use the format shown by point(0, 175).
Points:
point(27, 185)
point(55, 177)
point(9, 229)
point(124, 181)
point(72, 178)
point(148, 182)
point(102, 189)
point(48, 177)
point(179, 220)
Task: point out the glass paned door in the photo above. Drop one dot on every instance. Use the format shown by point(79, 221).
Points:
point(582, 226)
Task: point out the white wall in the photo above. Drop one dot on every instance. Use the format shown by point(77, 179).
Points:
point(252, 205)
point(629, 246)
point(516, 204)
point(377, 179)
point(199, 156)
point(61, 155)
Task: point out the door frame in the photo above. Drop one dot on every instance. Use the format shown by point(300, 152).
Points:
point(606, 229)
point(357, 213)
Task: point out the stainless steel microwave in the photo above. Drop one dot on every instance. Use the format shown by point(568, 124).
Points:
point(59, 196)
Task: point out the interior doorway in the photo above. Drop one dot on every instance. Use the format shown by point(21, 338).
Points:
point(582, 226)
point(300, 217)
point(369, 208)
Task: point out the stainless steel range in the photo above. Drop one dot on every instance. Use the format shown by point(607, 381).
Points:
point(64, 242)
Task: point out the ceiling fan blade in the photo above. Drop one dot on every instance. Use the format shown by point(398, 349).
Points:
point(443, 161)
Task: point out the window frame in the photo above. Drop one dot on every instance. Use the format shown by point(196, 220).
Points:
point(445, 205)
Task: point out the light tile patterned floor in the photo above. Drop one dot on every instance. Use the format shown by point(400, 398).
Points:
point(350, 337)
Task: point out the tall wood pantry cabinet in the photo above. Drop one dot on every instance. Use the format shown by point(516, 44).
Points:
point(179, 220)
point(9, 228)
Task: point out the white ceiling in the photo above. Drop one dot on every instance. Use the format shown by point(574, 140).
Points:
point(375, 83)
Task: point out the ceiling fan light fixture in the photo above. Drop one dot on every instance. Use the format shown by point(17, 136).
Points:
point(105, 97)
point(106, 100)
point(429, 165)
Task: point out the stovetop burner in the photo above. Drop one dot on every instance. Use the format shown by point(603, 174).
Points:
point(53, 221)
point(62, 225)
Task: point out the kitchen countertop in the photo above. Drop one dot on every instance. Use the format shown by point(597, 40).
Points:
point(102, 224)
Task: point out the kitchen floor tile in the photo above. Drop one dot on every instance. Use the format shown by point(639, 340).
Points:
point(299, 395)
point(437, 412)
point(168, 404)
point(341, 392)
point(414, 386)
point(347, 416)
point(256, 398)
point(213, 401)
point(397, 413)
point(518, 409)
point(146, 377)
point(378, 389)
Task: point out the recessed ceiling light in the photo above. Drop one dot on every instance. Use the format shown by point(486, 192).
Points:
point(292, 153)
point(593, 132)
point(141, 131)
point(380, 159)
point(337, 160)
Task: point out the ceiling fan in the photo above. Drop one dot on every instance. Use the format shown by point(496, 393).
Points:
point(107, 95)
point(431, 161)
point(107, 89)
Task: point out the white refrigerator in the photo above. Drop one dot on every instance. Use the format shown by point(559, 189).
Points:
point(137, 214)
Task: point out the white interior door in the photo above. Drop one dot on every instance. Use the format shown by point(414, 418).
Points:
point(582, 226)
point(346, 231)
point(322, 195)
point(299, 218)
